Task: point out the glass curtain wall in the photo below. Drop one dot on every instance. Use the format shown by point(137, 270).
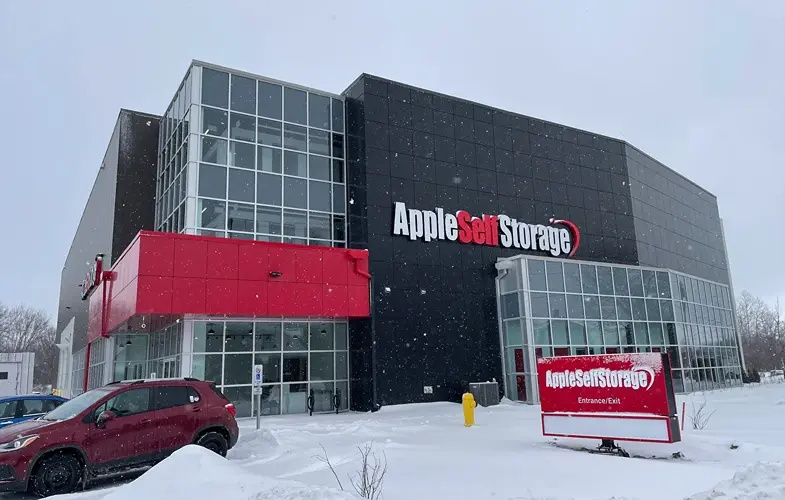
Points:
point(171, 184)
point(300, 359)
point(707, 335)
point(270, 161)
point(557, 308)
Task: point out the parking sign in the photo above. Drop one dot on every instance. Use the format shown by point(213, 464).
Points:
point(258, 375)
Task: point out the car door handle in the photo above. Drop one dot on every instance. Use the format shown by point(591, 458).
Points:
point(146, 421)
point(196, 409)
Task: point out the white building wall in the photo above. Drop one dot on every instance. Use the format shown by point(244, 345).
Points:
point(65, 362)
point(16, 373)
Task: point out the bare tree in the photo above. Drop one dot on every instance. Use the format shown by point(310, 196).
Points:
point(47, 359)
point(23, 329)
point(762, 331)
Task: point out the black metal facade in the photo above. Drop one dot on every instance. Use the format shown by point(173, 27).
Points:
point(435, 316)
point(121, 204)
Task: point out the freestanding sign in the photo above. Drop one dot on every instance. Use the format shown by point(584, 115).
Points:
point(625, 397)
point(258, 378)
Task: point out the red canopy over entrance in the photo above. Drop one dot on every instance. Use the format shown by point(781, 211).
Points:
point(165, 275)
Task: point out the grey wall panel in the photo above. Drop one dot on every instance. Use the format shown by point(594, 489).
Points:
point(93, 235)
point(120, 204)
point(677, 222)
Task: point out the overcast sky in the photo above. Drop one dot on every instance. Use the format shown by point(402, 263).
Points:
point(698, 85)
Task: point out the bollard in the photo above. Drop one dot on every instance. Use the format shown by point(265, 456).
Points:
point(469, 404)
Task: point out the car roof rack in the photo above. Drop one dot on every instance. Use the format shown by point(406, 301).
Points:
point(129, 382)
point(143, 380)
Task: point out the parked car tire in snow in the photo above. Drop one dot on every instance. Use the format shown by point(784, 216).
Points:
point(214, 442)
point(56, 475)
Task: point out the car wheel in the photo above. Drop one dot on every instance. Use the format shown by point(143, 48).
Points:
point(56, 475)
point(214, 442)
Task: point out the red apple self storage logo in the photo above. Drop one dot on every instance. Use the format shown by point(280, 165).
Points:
point(619, 383)
point(559, 238)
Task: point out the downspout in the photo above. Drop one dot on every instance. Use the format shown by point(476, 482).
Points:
point(86, 366)
point(103, 309)
point(501, 273)
point(374, 404)
point(357, 256)
point(106, 276)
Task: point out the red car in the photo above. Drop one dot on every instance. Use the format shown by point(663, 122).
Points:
point(114, 429)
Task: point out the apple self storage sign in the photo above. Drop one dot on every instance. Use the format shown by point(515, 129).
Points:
point(625, 397)
point(559, 238)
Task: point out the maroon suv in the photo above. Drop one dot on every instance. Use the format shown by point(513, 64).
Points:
point(119, 427)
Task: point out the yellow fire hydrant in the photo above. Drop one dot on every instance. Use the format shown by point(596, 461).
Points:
point(469, 404)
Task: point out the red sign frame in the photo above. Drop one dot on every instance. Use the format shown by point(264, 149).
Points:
point(619, 388)
point(93, 277)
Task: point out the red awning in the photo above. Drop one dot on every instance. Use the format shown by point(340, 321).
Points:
point(163, 275)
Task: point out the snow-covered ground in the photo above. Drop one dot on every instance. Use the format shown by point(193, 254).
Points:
point(740, 454)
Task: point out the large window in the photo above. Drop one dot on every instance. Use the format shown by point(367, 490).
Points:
point(97, 364)
point(165, 352)
point(77, 372)
point(304, 361)
point(576, 308)
point(271, 162)
point(130, 357)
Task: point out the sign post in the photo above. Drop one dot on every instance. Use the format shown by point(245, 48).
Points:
point(258, 377)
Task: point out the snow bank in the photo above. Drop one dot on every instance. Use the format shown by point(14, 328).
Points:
point(252, 444)
point(759, 481)
point(196, 473)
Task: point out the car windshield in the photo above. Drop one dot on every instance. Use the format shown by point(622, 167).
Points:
point(75, 406)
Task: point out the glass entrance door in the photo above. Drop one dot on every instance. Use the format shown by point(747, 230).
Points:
point(305, 363)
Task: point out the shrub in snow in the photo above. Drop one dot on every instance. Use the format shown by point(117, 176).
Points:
point(367, 482)
point(700, 416)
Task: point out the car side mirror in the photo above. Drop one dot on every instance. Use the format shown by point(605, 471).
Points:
point(103, 418)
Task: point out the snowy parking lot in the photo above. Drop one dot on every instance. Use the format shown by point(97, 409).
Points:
point(430, 454)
